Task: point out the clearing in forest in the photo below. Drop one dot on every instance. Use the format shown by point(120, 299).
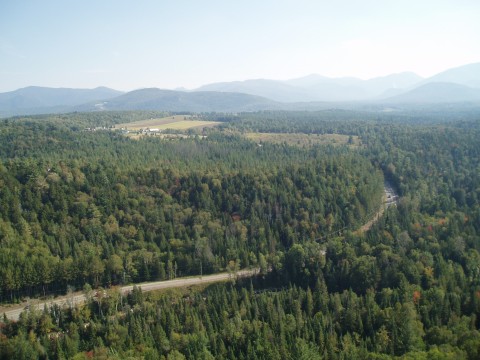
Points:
point(177, 122)
point(300, 139)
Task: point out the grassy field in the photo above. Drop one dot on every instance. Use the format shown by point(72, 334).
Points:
point(177, 122)
point(298, 139)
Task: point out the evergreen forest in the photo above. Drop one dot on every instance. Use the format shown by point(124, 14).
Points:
point(92, 211)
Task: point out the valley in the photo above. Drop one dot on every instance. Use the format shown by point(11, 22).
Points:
point(240, 180)
point(299, 197)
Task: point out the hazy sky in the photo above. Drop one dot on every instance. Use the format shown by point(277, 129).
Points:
point(172, 43)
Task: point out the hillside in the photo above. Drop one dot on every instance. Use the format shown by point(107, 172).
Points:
point(468, 75)
point(271, 89)
point(169, 100)
point(35, 99)
point(458, 84)
point(438, 92)
point(317, 88)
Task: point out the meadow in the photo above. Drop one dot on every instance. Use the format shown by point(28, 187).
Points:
point(176, 122)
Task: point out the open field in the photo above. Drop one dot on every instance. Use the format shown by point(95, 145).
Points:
point(187, 124)
point(299, 139)
point(177, 122)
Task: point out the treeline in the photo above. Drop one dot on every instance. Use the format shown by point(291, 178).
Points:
point(354, 120)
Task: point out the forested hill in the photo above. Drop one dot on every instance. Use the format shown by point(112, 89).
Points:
point(102, 208)
point(169, 100)
point(38, 100)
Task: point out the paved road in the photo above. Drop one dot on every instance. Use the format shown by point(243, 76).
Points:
point(14, 313)
point(390, 198)
point(390, 195)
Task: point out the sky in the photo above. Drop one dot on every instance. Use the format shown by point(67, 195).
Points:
point(127, 45)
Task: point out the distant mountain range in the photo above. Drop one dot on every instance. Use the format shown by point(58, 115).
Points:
point(392, 88)
point(318, 88)
point(461, 84)
point(35, 99)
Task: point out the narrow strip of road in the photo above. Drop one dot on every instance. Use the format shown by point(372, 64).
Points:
point(390, 197)
point(14, 313)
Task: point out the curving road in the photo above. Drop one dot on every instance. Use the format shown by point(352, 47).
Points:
point(14, 313)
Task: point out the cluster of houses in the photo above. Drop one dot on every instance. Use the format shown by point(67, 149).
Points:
point(97, 128)
point(146, 131)
point(155, 132)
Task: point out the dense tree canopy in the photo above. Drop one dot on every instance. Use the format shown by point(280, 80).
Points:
point(111, 209)
point(97, 207)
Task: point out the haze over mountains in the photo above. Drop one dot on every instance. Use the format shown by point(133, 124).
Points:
point(318, 88)
point(36, 99)
point(170, 100)
point(461, 84)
